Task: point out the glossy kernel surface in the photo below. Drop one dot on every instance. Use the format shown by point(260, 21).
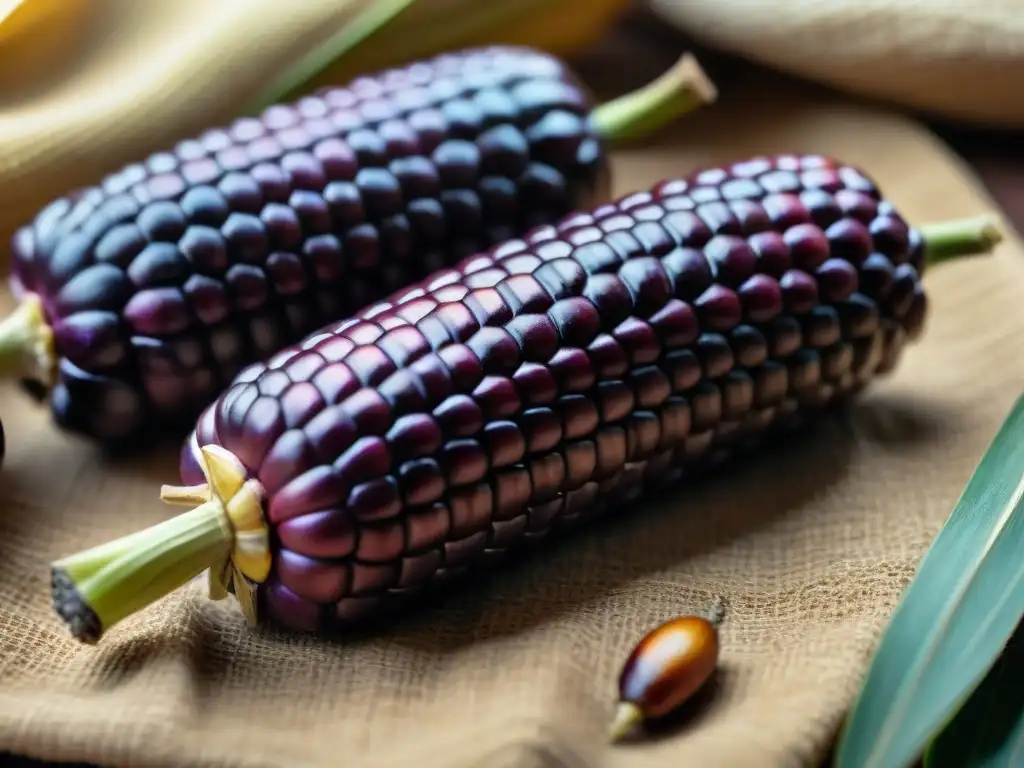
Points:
point(669, 665)
point(250, 236)
point(556, 377)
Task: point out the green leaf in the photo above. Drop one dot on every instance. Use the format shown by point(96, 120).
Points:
point(988, 732)
point(954, 619)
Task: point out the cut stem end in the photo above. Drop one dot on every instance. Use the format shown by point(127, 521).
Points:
point(945, 240)
point(26, 344)
point(627, 717)
point(81, 620)
point(226, 535)
point(97, 588)
point(680, 90)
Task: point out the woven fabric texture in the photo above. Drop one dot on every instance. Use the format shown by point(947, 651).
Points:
point(808, 545)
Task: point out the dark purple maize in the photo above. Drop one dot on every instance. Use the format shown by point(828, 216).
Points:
point(164, 280)
point(554, 376)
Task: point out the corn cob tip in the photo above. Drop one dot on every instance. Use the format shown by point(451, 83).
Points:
point(681, 89)
point(26, 343)
point(627, 717)
point(977, 236)
point(226, 535)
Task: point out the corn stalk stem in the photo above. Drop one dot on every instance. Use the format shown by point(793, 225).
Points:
point(946, 240)
point(679, 90)
point(95, 589)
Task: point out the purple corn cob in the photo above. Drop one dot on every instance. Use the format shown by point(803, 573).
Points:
point(532, 386)
point(143, 296)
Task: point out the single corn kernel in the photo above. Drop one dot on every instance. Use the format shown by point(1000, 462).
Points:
point(668, 666)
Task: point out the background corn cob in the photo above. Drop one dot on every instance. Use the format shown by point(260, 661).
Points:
point(78, 100)
point(144, 295)
point(528, 389)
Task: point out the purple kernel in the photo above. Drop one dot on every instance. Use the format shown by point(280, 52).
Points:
point(101, 286)
point(374, 500)
point(734, 259)
point(247, 286)
point(876, 276)
point(891, 237)
point(245, 236)
point(427, 527)
point(380, 542)
point(261, 426)
point(158, 264)
point(367, 457)
point(90, 339)
point(772, 253)
point(849, 239)
point(311, 579)
point(572, 368)
point(857, 205)
point(648, 284)
point(689, 271)
point(576, 319)
point(287, 273)
point(719, 308)
point(808, 246)
point(330, 532)
point(463, 461)
point(301, 401)
point(414, 435)
point(290, 610)
point(207, 298)
point(675, 323)
point(837, 279)
point(421, 481)
point(535, 383)
point(315, 489)
point(205, 248)
point(761, 297)
point(289, 457)
point(785, 211)
point(157, 312)
point(799, 291)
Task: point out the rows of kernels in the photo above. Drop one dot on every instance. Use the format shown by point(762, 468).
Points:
point(555, 375)
point(173, 273)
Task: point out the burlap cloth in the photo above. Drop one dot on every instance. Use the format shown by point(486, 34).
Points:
point(809, 546)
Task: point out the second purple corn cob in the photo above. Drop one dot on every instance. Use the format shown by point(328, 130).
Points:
point(529, 388)
point(144, 295)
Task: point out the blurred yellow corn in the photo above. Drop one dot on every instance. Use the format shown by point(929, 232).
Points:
point(18, 15)
point(87, 86)
point(426, 27)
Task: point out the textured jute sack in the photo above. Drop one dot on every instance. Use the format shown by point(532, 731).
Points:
point(809, 546)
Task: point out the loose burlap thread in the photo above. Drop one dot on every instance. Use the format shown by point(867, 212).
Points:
point(809, 546)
